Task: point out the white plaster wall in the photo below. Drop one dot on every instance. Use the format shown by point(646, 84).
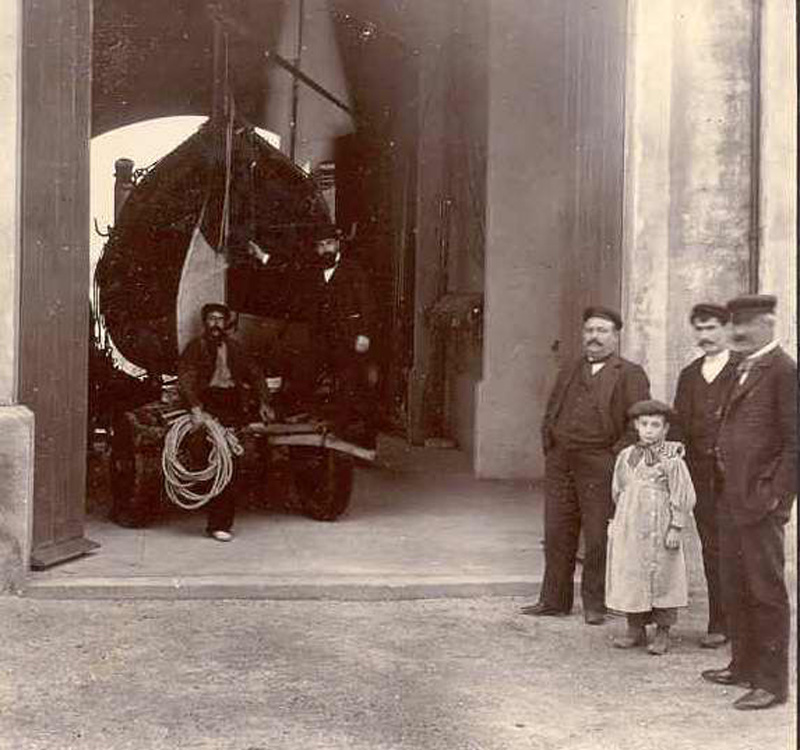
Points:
point(688, 173)
point(778, 186)
point(9, 197)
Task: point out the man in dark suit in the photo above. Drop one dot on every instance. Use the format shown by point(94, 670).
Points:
point(757, 459)
point(584, 427)
point(344, 324)
point(702, 390)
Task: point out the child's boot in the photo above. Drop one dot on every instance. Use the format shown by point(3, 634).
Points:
point(635, 636)
point(660, 644)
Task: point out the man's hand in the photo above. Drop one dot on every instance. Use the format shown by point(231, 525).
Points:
point(673, 538)
point(199, 417)
point(362, 344)
point(267, 413)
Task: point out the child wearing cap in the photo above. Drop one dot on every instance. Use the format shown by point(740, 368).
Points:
point(653, 497)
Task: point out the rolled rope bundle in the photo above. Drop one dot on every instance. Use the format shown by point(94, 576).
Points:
point(180, 482)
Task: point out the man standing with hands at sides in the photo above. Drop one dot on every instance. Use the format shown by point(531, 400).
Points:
point(702, 390)
point(584, 427)
point(757, 461)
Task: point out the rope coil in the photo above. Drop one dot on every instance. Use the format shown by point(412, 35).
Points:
point(179, 481)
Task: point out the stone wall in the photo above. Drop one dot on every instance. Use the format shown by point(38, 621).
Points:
point(16, 422)
point(689, 168)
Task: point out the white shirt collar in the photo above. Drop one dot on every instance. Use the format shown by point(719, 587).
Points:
point(714, 364)
point(764, 349)
point(328, 272)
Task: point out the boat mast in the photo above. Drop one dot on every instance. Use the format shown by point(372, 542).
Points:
point(295, 82)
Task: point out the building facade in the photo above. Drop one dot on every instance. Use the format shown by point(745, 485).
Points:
point(540, 155)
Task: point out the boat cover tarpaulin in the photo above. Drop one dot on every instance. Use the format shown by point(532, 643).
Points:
point(267, 200)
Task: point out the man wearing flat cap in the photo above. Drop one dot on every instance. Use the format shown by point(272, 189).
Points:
point(584, 427)
point(757, 461)
point(211, 371)
point(702, 390)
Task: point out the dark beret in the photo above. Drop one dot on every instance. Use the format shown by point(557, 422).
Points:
point(748, 305)
point(648, 408)
point(706, 310)
point(212, 307)
point(598, 311)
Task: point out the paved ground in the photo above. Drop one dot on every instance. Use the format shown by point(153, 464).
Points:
point(419, 523)
point(424, 675)
point(183, 673)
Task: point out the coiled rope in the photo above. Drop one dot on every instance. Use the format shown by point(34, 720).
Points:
point(180, 481)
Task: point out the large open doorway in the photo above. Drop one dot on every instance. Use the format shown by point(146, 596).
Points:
point(402, 177)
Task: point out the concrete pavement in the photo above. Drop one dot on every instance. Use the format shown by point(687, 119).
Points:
point(450, 674)
point(419, 525)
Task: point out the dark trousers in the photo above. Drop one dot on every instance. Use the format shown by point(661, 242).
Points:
point(224, 404)
point(756, 601)
point(705, 515)
point(577, 496)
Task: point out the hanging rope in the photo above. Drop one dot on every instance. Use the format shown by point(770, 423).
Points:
point(180, 482)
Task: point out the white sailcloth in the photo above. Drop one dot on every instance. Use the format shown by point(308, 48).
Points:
point(202, 281)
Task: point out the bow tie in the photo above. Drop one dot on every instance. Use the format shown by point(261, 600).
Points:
point(651, 453)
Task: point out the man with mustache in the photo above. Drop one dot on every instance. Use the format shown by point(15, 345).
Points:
point(757, 460)
point(344, 323)
point(584, 427)
point(211, 372)
point(702, 390)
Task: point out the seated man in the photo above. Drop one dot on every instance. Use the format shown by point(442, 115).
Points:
point(211, 371)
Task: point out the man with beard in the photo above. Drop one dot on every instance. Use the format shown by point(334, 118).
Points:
point(702, 390)
point(211, 371)
point(344, 320)
point(757, 460)
point(584, 427)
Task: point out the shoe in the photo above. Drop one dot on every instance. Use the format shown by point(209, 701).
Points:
point(221, 536)
point(594, 617)
point(724, 676)
point(632, 638)
point(713, 640)
point(757, 699)
point(541, 609)
point(660, 644)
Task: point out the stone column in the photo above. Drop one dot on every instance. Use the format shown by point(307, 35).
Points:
point(526, 232)
point(16, 422)
point(688, 190)
point(778, 164)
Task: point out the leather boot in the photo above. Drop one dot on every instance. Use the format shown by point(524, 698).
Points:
point(635, 636)
point(660, 644)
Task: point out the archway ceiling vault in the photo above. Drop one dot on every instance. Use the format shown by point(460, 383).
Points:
point(154, 59)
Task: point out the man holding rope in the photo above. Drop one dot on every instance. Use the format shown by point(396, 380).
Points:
point(211, 371)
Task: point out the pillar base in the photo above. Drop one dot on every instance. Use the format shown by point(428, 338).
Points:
point(16, 499)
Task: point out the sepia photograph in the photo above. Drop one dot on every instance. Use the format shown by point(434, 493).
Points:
point(398, 374)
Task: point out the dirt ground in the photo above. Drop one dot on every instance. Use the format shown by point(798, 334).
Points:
point(421, 675)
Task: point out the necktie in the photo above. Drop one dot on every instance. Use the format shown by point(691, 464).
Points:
point(743, 368)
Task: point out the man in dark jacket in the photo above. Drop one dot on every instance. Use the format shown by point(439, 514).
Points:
point(211, 372)
point(344, 326)
point(584, 427)
point(702, 390)
point(757, 459)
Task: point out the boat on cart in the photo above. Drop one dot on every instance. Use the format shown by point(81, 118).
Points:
point(223, 217)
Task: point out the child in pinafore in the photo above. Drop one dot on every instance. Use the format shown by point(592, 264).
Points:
point(654, 497)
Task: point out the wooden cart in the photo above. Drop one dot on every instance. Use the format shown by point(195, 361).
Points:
point(320, 463)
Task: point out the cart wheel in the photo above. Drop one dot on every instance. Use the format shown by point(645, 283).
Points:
point(324, 482)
